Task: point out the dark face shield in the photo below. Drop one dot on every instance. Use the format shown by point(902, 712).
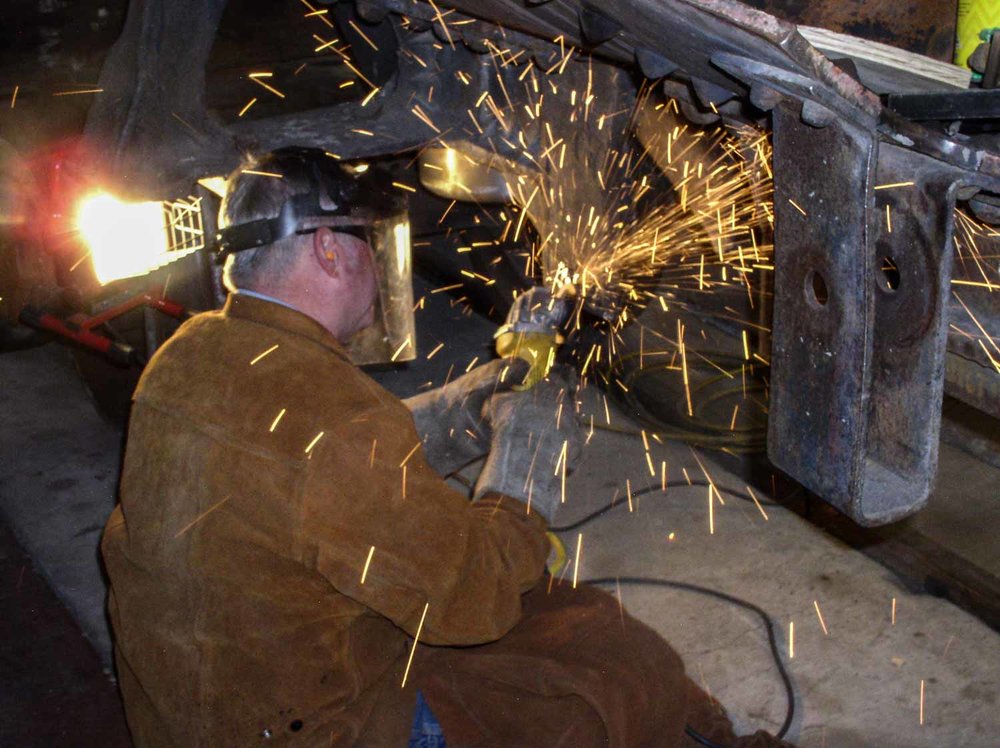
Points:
point(355, 202)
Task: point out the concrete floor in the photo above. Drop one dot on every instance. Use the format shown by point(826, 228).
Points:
point(857, 686)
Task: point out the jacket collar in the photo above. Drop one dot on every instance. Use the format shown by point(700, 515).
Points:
point(281, 317)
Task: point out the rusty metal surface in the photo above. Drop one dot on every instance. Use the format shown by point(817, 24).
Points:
point(858, 356)
point(926, 27)
point(856, 381)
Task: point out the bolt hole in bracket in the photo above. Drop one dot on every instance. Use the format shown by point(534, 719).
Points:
point(858, 358)
point(817, 292)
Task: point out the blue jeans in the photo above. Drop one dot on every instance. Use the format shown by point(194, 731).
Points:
point(426, 731)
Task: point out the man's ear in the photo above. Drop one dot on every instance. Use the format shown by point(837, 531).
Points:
point(327, 251)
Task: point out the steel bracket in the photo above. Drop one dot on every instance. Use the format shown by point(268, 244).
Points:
point(860, 315)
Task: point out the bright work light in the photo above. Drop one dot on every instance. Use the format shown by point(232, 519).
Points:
point(131, 239)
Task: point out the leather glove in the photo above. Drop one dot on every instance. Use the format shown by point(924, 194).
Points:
point(449, 419)
point(534, 441)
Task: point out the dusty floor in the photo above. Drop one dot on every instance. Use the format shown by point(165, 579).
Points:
point(857, 684)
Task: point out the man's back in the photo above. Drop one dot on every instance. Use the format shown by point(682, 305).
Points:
point(261, 470)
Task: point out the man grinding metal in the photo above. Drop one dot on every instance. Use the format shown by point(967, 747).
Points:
point(282, 536)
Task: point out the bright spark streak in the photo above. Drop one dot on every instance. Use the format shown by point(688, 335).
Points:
point(409, 454)
point(759, 506)
point(819, 615)
point(270, 88)
point(413, 649)
point(579, 551)
point(246, 108)
point(921, 701)
point(314, 442)
point(73, 93)
point(368, 561)
point(361, 33)
point(402, 347)
point(276, 421)
point(262, 173)
point(894, 184)
point(265, 353)
point(711, 513)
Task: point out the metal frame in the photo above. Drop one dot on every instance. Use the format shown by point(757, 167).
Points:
point(856, 382)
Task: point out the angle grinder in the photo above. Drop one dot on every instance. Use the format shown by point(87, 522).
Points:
point(533, 331)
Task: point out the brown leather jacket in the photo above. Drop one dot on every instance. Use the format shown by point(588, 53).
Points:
point(248, 606)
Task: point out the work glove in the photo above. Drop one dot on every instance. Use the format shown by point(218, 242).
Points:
point(536, 442)
point(450, 420)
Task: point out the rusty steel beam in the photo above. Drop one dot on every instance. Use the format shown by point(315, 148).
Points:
point(856, 379)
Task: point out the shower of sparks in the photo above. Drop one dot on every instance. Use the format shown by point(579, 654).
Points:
point(368, 561)
point(265, 353)
point(413, 648)
point(976, 253)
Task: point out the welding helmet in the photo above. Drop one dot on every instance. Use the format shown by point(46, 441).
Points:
point(350, 198)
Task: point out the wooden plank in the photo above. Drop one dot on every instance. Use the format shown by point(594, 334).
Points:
point(887, 69)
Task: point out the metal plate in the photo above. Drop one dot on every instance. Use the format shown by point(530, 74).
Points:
point(858, 352)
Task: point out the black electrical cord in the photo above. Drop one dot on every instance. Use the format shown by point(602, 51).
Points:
point(653, 582)
point(768, 625)
point(642, 492)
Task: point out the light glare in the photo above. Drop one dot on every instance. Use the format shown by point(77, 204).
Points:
point(125, 239)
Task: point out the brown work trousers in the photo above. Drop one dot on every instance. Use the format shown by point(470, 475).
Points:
point(576, 671)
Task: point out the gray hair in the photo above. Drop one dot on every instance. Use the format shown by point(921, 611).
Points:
point(251, 197)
